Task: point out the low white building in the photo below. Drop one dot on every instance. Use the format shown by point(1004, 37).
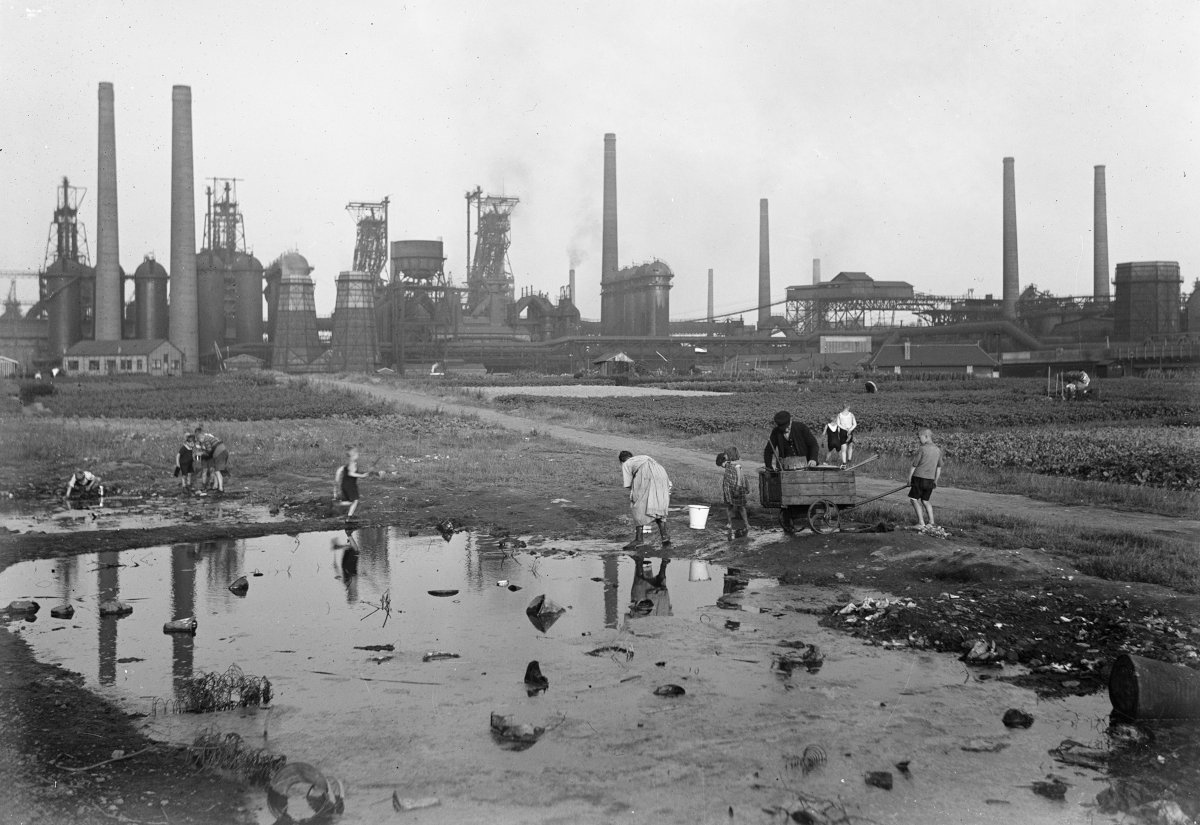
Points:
point(155, 356)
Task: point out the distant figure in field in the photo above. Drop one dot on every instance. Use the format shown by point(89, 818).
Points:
point(847, 424)
point(734, 489)
point(345, 481)
point(649, 496)
point(83, 484)
point(790, 445)
point(924, 475)
point(214, 459)
point(185, 461)
point(1080, 384)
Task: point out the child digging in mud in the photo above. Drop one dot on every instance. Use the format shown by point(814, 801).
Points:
point(185, 464)
point(734, 488)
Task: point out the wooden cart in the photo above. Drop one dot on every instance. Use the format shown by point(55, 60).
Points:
point(821, 493)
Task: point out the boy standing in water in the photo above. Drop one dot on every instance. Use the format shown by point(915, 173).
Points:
point(924, 475)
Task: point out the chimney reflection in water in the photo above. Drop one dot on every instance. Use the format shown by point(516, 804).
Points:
point(108, 587)
point(184, 558)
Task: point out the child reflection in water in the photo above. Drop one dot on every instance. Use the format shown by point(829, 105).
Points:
point(349, 567)
point(649, 596)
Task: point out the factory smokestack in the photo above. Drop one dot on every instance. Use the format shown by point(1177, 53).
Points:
point(1012, 281)
point(1100, 240)
point(608, 250)
point(108, 298)
point(816, 271)
point(764, 266)
point(571, 288)
point(183, 311)
point(710, 296)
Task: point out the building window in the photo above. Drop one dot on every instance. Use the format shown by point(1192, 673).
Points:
point(110, 365)
point(73, 365)
point(157, 364)
point(127, 364)
point(93, 365)
point(141, 365)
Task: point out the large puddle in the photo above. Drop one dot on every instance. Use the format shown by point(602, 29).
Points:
point(742, 741)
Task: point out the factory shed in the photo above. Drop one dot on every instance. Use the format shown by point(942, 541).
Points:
point(947, 359)
point(242, 362)
point(614, 363)
point(156, 356)
point(9, 367)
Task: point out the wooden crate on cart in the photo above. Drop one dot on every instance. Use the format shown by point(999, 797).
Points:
point(803, 487)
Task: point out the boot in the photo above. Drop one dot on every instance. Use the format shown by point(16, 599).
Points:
point(637, 539)
point(662, 532)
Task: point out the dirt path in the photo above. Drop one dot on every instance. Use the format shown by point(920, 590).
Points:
point(950, 499)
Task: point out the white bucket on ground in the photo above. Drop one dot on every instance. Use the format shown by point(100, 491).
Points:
point(698, 571)
point(697, 516)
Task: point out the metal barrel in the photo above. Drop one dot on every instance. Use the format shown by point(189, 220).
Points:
point(1141, 688)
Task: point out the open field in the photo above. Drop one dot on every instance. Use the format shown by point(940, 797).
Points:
point(500, 476)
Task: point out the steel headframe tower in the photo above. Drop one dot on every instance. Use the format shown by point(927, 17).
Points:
point(62, 244)
point(371, 236)
point(490, 279)
point(223, 227)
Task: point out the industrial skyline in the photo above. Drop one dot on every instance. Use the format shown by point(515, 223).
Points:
point(877, 152)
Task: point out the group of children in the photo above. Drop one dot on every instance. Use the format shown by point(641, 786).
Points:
point(923, 475)
point(208, 453)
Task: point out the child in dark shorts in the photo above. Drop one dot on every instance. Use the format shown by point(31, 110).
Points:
point(924, 475)
point(185, 462)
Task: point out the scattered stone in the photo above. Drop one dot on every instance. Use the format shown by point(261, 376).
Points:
point(534, 680)
point(239, 586)
point(185, 625)
point(23, 606)
point(880, 779)
point(669, 690)
point(407, 803)
point(115, 607)
point(62, 611)
point(438, 655)
point(984, 746)
point(1055, 788)
point(1014, 718)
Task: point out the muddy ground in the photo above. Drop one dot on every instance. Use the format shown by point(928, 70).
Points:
point(68, 757)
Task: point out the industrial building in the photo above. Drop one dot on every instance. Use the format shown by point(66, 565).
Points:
point(220, 308)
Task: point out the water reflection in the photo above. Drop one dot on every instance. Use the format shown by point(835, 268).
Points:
point(648, 596)
point(183, 604)
point(108, 587)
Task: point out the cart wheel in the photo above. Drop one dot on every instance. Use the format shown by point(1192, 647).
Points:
point(786, 521)
point(823, 517)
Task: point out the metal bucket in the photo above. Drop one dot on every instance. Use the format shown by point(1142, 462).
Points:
point(698, 571)
point(697, 516)
point(1142, 688)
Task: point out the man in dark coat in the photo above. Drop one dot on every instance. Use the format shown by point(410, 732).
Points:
point(790, 439)
point(791, 446)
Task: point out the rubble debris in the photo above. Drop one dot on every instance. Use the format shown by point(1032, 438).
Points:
point(512, 735)
point(62, 611)
point(239, 586)
point(543, 612)
point(1052, 788)
point(322, 795)
point(443, 593)
point(376, 648)
point(984, 746)
point(401, 804)
point(184, 625)
point(810, 658)
point(903, 768)
point(438, 655)
point(23, 607)
point(1142, 688)
point(115, 607)
point(1014, 718)
point(879, 779)
point(612, 650)
point(534, 680)
point(1070, 752)
point(669, 690)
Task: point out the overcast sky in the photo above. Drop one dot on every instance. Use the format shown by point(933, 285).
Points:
point(876, 130)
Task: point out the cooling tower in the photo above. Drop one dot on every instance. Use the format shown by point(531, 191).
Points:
point(355, 346)
point(108, 265)
point(183, 309)
point(764, 266)
point(608, 249)
point(1100, 240)
point(150, 300)
point(295, 344)
point(1012, 281)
